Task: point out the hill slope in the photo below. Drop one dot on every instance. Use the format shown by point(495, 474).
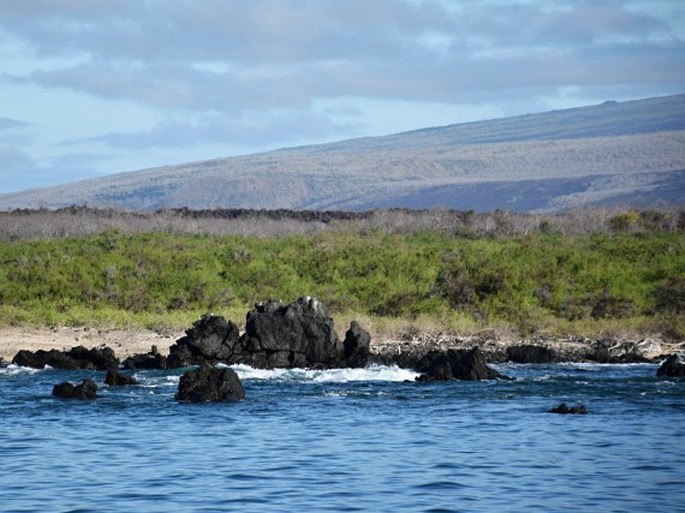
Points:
point(632, 153)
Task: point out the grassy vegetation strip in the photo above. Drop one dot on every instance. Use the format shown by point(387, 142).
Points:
point(530, 283)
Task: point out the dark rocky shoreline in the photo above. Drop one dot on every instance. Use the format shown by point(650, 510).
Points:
point(301, 334)
point(542, 349)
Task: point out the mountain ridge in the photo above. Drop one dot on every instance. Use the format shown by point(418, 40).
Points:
point(631, 153)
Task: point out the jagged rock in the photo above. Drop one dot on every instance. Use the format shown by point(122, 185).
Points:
point(212, 339)
point(455, 364)
point(357, 346)
point(86, 390)
point(115, 378)
point(300, 334)
point(209, 384)
point(152, 360)
point(529, 353)
point(99, 358)
point(564, 409)
point(673, 367)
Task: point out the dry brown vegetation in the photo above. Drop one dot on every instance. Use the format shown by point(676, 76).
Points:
point(84, 221)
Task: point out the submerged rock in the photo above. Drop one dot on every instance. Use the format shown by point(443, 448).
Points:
point(115, 379)
point(99, 358)
point(672, 367)
point(564, 409)
point(209, 384)
point(66, 390)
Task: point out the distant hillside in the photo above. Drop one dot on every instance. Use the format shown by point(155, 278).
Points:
point(628, 153)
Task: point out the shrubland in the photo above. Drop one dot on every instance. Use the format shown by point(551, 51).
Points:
point(450, 275)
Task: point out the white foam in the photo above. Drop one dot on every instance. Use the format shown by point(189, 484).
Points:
point(372, 373)
point(158, 381)
point(13, 370)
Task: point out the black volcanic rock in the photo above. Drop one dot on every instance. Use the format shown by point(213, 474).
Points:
point(212, 339)
point(564, 409)
point(152, 360)
point(300, 334)
point(462, 364)
point(100, 358)
point(529, 353)
point(86, 390)
point(209, 384)
point(357, 346)
point(673, 367)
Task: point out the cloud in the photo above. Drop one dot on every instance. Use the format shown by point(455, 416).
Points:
point(11, 133)
point(253, 129)
point(284, 53)
point(19, 171)
point(11, 124)
point(250, 72)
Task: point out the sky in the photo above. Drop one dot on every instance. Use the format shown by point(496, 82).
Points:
point(94, 87)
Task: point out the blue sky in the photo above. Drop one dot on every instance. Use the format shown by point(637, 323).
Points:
point(94, 87)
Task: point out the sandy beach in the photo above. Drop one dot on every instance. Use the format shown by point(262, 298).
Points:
point(127, 342)
point(123, 342)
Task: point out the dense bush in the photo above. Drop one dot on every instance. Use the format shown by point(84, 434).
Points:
point(670, 296)
point(528, 282)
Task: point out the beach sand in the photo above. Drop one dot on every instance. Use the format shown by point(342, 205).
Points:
point(127, 342)
point(123, 342)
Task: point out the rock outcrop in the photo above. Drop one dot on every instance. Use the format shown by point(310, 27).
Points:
point(300, 334)
point(99, 358)
point(529, 353)
point(209, 384)
point(467, 365)
point(151, 360)
point(357, 346)
point(212, 339)
point(66, 390)
point(673, 367)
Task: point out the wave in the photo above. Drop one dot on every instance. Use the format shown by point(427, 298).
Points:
point(346, 375)
point(14, 370)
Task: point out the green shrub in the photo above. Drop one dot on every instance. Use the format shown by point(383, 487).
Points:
point(524, 282)
point(670, 296)
point(624, 222)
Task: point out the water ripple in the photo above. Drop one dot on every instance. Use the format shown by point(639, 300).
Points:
point(308, 441)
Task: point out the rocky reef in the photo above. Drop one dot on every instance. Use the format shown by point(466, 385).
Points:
point(302, 334)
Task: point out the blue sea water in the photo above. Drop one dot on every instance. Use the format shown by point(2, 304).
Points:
point(348, 440)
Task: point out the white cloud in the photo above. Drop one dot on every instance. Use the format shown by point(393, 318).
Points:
point(139, 75)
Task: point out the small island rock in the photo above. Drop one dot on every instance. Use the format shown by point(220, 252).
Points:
point(673, 367)
point(564, 409)
point(66, 390)
point(209, 384)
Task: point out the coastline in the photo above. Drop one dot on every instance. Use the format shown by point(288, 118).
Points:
point(124, 342)
point(127, 342)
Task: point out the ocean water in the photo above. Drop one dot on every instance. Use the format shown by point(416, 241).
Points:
point(348, 440)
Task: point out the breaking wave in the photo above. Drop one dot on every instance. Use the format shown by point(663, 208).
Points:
point(346, 375)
